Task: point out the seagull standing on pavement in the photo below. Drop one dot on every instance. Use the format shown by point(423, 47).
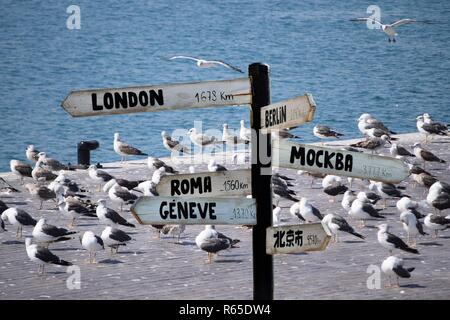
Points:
point(309, 212)
point(119, 194)
point(92, 244)
point(412, 226)
point(324, 132)
point(398, 150)
point(99, 176)
point(41, 192)
point(114, 238)
point(245, 133)
point(428, 128)
point(155, 163)
point(214, 167)
point(172, 144)
point(332, 186)
point(21, 169)
point(19, 218)
point(73, 210)
point(338, 224)
point(42, 256)
point(47, 233)
point(347, 200)
point(425, 155)
point(200, 139)
point(391, 241)
point(109, 216)
point(361, 210)
point(406, 204)
point(393, 267)
point(436, 223)
point(32, 153)
point(123, 149)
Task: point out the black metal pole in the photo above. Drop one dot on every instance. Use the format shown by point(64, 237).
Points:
point(261, 184)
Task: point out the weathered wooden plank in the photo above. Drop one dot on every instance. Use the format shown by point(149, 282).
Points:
point(288, 113)
point(297, 238)
point(93, 102)
point(178, 210)
point(339, 162)
point(207, 184)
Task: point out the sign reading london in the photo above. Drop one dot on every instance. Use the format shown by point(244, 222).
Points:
point(288, 113)
point(338, 162)
point(297, 238)
point(94, 102)
point(180, 210)
point(207, 184)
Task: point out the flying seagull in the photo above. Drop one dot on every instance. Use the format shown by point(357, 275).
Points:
point(201, 63)
point(42, 256)
point(389, 29)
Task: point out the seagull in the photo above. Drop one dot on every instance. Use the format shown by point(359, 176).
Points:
point(398, 150)
point(425, 155)
point(201, 63)
point(373, 144)
point(18, 217)
point(332, 186)
point(2, 226)
point(48, 233)
point(245, 133)
point(377, 133)
point(388, 29)
point(436, 223)
point(324, 132)
point(309, 212)
point(148, 188)
point(427, 119)
point(41, 192)
point(3, 207)
point(109, 216)
point(412, 226)
point(68, 184)
point(173, 145)
point(156, 163)
point(313, 175)
point(157, 175)
point(92, 244)
point(283, 192)
point(369, 197)
point(42, 256)
point(439, 196)
point(99, 175)
point(406, 204)
point(114, 238)
point(429, 128)
point(284, 134)
point(424, 179)
point(363, 211)
point(214, 167)
point(208, 240)
point(200, 139)
point(73, 210)
point(367, 121)
point(21, 169)
point(129, 184)
point(388, 190)
point(119, 194)
point(393, 266)
point(40, 174)
point(51, 164)
point(123, 149)
point(391, 241)
point(174, 230)
point(336, 223)
point(32, 153)
point(347, 200)
point(231, 139)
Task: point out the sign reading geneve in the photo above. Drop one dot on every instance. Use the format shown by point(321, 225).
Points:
point(297, 238)
point(207, 184)
point(288, 113)
point(180, 210)
point(339, 162)
point(93, 102)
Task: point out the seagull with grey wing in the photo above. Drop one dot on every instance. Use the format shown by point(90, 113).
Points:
point(425, 155)
point(172, 144)
point(337, 224)
point(202, 63)
point(20, 168)
point(388, 29)
point(324, 132)
point(200, 139)
point(124, 149)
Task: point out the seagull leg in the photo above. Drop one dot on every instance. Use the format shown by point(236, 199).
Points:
point(40, 208)
point(93, 260)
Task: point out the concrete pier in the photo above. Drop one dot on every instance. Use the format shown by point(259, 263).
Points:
point(149, 268)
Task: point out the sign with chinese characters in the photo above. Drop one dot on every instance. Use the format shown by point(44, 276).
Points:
point(297, 238)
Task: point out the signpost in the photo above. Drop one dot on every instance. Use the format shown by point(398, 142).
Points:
point(339, 162)
point(297, 238)
point(94, 102)
point(206, 184)
point(288, 113)
point(180, 210)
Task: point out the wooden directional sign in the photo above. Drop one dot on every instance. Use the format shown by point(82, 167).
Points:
point(297, 238)
point(288, 113)
point(179, 210)
point(207, 184)
point(310, 158)
point(155, 98)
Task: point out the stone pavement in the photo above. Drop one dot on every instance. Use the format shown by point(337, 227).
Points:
point(162, 269)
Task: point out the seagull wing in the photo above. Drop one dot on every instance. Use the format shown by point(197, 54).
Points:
point(402, 22)
point(184, 57)
point(226, 65)
point(367, 19)
point(119, 235)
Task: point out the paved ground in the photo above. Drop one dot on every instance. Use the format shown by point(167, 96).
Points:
point(161, 269)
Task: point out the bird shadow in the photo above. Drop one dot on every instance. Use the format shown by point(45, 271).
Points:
point(131, 252)
point(444, 237)
point(12, 242)
point(371, 227)
point(17, 203)
point(411, 258)
point(184, 243)
point(428, 244)
point(412, 286)
point(64, 249)
point(87, 225)
point(228, 261)
point(110, 261)
point(354, 241)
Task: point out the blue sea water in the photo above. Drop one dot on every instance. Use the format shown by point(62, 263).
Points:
point(311, 46)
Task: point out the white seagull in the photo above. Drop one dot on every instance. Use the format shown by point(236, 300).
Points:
point(42, 256)
point(201, 63)
point(337, 224)
point(393, 266)
point(172, 144)
point(47, 233)
point(124, 149)
point(18, 218)
point(391, 241)
point(114, 238)
point(92, 244)
point(388, 29)
point(109, 216)
point(412, 226)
